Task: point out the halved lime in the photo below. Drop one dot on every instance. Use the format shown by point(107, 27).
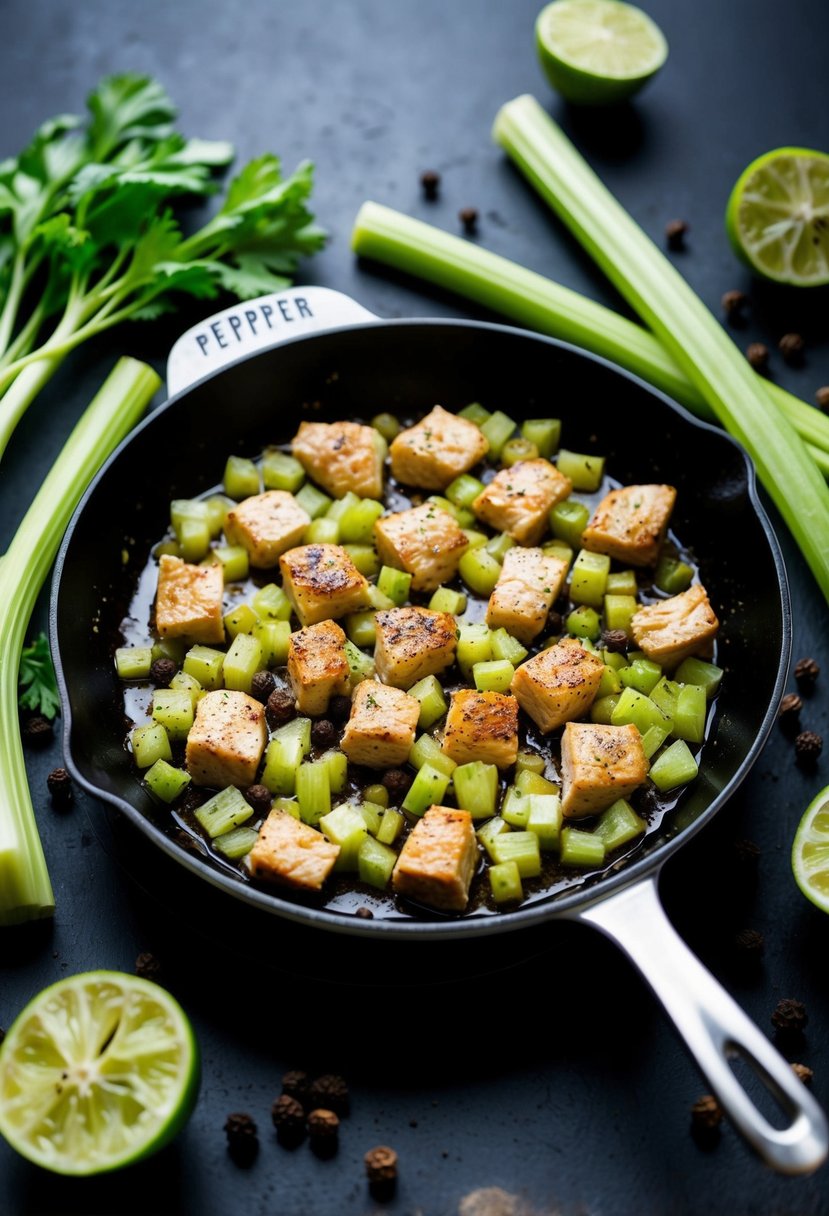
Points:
point(777, 217)
point(810, 851)
point(598, 52)
point(98, 1071)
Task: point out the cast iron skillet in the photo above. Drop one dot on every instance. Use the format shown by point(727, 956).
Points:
point(405, 367)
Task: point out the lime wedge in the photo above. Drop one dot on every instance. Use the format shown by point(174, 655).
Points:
point(598, 52)
point(98, 1071)
point(810, 851)
point(777, 217)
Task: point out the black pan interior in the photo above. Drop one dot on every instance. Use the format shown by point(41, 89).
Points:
point(407, 367)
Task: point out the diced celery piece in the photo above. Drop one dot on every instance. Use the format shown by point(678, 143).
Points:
point(223, 812)
point(170, 648)
point(490, 832)
point(378, 794)
point(189, 684)
point(623, 582)
point(173, 709)
point(520, 847)
point(580, 848)
point(505, 646)
point(584, 622)
point(530, 762)
point(601, 711)
point(281, 472)
point(372, 815)
point(218, 506)
point(150, 743)
point(464, 490)
point(337, 762)
point(375, 862)
point(619, 611)
point(619, 824)
point(391, 825)
point(494, 675)
point(387, 425)
point(364, 558)
point(241, 478)
point(445, 504)
point(697, 671)
point(288, 745)
point(379, 601)
point(665, 695)
point(312, 500)
point(426, 750)
point(133, 662)
point(271, 601)
point(517, 449)
point(360, 665)
point(672, 575)
point(505, 882)
point(589, 578)
point(170, 548)
point(464, 517)
point(242, 660)
point(690, 712)
point(427, 789)
point(545, 819)
point(584, 471)
point(289, 805)
point(165, 781)
point(641, 674)
point(446, 600)
point(476, 788)
point(395, 584)
point(339, 506)
point(193, 539)
point(675, 766)
point(475, 539)
point(237, 843)
point(653, 739)
point(499, 546)
point(529, 782)
point(568, 519)
point(235, 562)
point(586, 644)
point(609, 683)
point(313, 791)
point(634, 708)
point(274, 637)
point(614, 659)
point(474, 646)
point(559, 549)
point(429, 693)
point(498, 428)
point(357, 522)
point(240, 619)
point(189, 508)
point(545, 433)
point(475, 412)
point(361, 628)
point(515, 808)
point(205, 665)
point(346, 827)
point(322, 531)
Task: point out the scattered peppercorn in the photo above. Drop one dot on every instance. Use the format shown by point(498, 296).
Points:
point(747, 853)
point(614, 640)
point(329, 1092)
point(468, 216)
point(706, 1114)
point(757, 354)
point(750, 942)
point(280, 708)
point(242, 1139)
point(733, 303)
point(791, 347)
point(260, 798)
point(324, 734)
point(806, 672)
point(295, 1083)
point(262, 684)
point(430, 181)
point(323, 1130)
point(803, 1073)
point(381, 1166)
point(288, 1115)
point(807, 747)
point(789, 1016)
point(339, 708)
point(675, 233)
point(364, 913)
point(789, 712)
point(147, 966)
point(36, 731)
point(162, 672)
point(822, 397)
point(397, 782)
point(59, 785)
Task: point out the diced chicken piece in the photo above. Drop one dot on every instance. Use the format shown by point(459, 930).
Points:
point(598, 765)
point(341, 456)
point(291, 853)
point(482, 726)
point(558, 684)
point(317, 666)
point(518, 499)
point(672, 629)
point(437, 450)
point(424, 541)
point(381, 729)
point(630, 524)
point(413, 643)
point(189, 600)
point(322, 583)
point(438, 861)
point(266, 525)
point(529, 583)
point(226, 740)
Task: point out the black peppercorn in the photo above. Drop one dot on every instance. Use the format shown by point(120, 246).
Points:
point(381, 1166)
point(262, 685)
point(791, 347)
point(789, 1016)
point(430, 181)
point(790, 706)
point(615, 640)
point(822, 397)
point(324, 734)
point(339, 708)
point(733, 303)
point(468, 216)
point(806, 672)
point(364, 913)
point(706, 1114)
point(803, 1073)
point(750, 943)
point(162, 672)
point(242, 1139)
point(323, 1125)
point(807, 747)
point(397, 782)
point(147, 966)
point(59, 785)
point(675, 233)
point(747, 854)
point(295, 1084)
point(757, 354)
point(260, 798)
point(329, 1092)
point(280, 708)
point(36, 731)
point(288, 1115)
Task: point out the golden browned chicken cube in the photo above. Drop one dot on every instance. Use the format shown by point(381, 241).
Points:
point(598, 765)
point(292, 853)
point(424, 541)
point(188, 603)
point(517, 500)
point(226, 740)
point(438, 861)
point(266, 525)
point(482, 726)
point(530, 582)
point(437, 450)
point(381, 729)
point(558, 684)
point(341, 456)
point(630, 524)
point(317, 666)
point(413, 643)
point(672, 629)
point(322, 583)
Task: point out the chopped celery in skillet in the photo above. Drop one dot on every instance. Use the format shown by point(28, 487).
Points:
point(449, 665)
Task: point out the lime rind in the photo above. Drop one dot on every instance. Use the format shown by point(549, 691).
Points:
point(98, 1071)
point(810, 851)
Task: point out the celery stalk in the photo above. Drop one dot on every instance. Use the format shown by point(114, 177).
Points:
point(25, 890)
point(677, 317)
point(388, 236)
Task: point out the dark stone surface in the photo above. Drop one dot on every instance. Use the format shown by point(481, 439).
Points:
point(577, 1100)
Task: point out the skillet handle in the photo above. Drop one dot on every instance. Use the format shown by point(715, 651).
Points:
point(259, 324)
point(714, 1028)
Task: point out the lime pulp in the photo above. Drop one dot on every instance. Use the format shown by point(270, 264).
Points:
point(810, 851)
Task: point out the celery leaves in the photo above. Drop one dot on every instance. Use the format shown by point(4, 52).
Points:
point(37, 679)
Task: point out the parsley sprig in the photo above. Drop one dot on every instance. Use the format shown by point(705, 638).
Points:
point(36, 678)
